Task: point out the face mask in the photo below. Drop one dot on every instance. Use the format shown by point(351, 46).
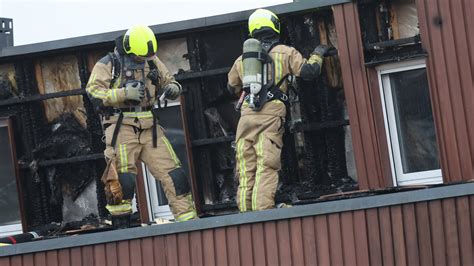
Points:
point(130, 64)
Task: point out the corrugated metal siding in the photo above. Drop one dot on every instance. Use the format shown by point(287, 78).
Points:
point(449, 40)
point(438, 232)
point(370, 160)
point(448, 35)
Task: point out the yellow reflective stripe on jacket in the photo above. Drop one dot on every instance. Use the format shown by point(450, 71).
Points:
point(100, 94)
point(113, 96)
point(146, 114)
point(186, 216)
point(123, 158)
point(277, 101)
point(171, 151)
point(278, 59)
point(243, 175)
point(96, 91)
point(258, 175)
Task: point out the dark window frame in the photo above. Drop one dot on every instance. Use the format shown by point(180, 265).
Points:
point(8, 123)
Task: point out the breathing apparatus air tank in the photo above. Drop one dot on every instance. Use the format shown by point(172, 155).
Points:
point(256, 63)
point(252, 69)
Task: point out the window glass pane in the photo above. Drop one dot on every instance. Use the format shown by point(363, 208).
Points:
point(175, 134)
point(414, 120)
point(162, 200)
point(9, 205)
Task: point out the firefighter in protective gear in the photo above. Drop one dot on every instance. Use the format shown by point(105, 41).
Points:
point(125, 85)
point(259, 132)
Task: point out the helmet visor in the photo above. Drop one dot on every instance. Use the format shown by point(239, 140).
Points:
point(137, 58)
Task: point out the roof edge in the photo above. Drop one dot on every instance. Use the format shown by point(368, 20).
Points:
point(161, 29)
point(419, 195)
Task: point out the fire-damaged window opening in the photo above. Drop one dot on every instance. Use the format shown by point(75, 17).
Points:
point(10, 200)
point(409, 123)
point(390, 30)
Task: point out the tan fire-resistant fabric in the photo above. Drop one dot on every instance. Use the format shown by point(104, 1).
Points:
point(259, 135)
point(98, 87)
point(110, 172)
point(258, 149)
point(133, 146)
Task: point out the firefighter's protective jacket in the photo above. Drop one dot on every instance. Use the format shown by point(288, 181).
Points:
point(98, 89)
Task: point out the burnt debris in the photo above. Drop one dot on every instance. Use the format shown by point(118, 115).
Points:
point(6, 87)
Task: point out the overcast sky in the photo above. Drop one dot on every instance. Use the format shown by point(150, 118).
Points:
point(45, 20)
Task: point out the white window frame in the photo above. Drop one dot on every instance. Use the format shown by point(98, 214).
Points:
point(151, 190)
point(11, 229)
point(400, 178)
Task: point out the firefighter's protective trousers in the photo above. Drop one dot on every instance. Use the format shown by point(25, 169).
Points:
point(258, 149)
point(133, 144)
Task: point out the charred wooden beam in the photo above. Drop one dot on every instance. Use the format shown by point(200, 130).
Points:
point(210, 141)
point(395, 54)
point(201, 74)
point(318, 125)
point(75, 159)
point(393, 43)
point(41, 97)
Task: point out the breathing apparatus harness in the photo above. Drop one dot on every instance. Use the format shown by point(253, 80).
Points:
point(257, 87)
point(128, 74)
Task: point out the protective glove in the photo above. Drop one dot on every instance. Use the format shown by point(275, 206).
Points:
point(113, 192)
point(172, 91)
point(317, 57)
point(134, 91)
point(154, 76)
point(312, 69)
point(321, 50)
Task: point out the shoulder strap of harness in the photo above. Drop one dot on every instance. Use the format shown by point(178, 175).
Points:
point(275, 93)
point(154, 76)
point(151, 64)
point(116, 130)
point(267, 47)
point(115, 69)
